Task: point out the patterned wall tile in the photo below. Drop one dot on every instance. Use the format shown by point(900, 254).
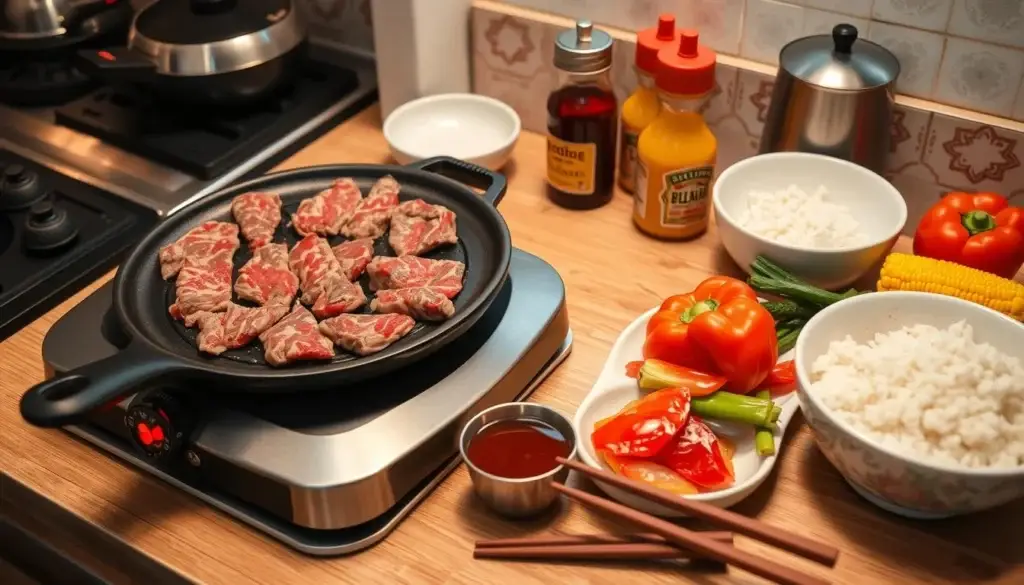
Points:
point(980, 76)
point(976, 157)
point(919, 53)
point(768, 26)
point(858, 8)
point(926, 14)
point(720, 22)
point(907, 137)
point(720, 103)
point(347, 22)
point(753, 95)
point(821, 22)
point(920, 191)
point(1018, 106)
point(996, 21)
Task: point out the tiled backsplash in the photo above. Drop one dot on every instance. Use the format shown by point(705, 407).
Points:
point(346, 22)
point(932, 153)
point(966, 53)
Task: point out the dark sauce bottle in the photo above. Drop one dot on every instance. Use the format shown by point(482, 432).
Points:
point(582, 120)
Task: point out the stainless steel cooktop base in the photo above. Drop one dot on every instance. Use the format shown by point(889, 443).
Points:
point(324, 478)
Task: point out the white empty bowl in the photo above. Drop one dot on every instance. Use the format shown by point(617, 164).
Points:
point(474, 128)
point(871, 200)
point(896, 481)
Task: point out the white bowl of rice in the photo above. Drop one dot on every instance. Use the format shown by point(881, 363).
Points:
point(918, 400)
point(826, 220)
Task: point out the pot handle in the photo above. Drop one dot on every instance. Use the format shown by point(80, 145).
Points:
point(116, 64)
point(67, 398)
point(494, 184)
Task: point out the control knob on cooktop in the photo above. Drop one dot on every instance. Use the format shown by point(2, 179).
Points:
point(157, 422)
point(48, 228)
point(19, 187)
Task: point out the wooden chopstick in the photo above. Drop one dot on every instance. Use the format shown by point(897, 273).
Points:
point(690, 540)
point(622, 551)
point(794, 543)
point(575, 539)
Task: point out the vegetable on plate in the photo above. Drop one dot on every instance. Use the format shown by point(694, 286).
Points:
point(644, 426)
point(917, 273)
point(655, 374)
point(977, 230)
point(718, 328)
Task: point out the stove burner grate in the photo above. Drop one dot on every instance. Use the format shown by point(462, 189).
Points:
point(209, 144)
point(41, 83)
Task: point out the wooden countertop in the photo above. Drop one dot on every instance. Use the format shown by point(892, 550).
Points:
point(612, 274)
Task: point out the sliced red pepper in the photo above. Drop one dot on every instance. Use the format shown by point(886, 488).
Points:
point(633, 368)
point(979, 230)
point(646, 426)
point(696, 455)
point(650, 472)
point(781, 379)
point(656, 374)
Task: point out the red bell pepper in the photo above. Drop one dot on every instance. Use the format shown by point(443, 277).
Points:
point(719, 328)
point(645, 426)
point(657, 374)
point(781, 379)
point(979, 230)
point(650, 472)
point(697, 457)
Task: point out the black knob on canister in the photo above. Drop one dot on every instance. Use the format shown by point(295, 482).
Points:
point(843, 37)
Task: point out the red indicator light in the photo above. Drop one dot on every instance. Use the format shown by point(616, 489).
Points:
point(107, 56)
point(145, 435)
point(157, 433)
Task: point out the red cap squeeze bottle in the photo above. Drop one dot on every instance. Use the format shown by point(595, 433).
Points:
point(687, 68)
point(651, 40)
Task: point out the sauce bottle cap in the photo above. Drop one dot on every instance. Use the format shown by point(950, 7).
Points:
point(584, 49)
point(686, 68)
point(651, 40)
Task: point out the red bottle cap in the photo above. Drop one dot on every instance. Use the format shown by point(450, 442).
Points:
point(686, 69)
point(651, 40)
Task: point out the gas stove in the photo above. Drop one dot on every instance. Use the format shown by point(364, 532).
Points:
point(107, 162)
point(334, 472)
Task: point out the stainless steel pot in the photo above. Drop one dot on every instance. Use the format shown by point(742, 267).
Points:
point(54, 24)
point(833, 95)
point(206, 51)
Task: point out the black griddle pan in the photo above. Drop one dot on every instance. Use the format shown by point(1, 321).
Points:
point(162, 350)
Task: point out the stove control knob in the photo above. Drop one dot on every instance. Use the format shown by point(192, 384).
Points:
point(157, 423)
point(19, 188)
point(48, 228)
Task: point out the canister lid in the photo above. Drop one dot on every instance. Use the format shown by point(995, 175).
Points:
point(651, 40)
point(686, 67)
point(840, 61)
point(584, 49)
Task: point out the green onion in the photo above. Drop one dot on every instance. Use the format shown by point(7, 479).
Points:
point(736, 407)
point(764, 440)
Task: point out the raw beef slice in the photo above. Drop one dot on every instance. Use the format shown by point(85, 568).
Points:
point(366, 334)
point(418, 227)
point(327, 211)
point(353, 257)
point(258, 215)
point(388, 272)
point(373, 213)
point(236, 327)
point(295, 338)
point(208, 239)
point(266, 278)
point(422, 303)
point(203, 285)
point(321, 280)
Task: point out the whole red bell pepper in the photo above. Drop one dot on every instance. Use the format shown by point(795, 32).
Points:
point(719, 328)
point(979, 230)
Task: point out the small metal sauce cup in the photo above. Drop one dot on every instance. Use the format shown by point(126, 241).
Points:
point(512, 497)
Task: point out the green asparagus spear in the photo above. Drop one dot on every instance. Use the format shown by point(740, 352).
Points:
point(735, 407)
point(787, 339)
point(785, 310)
point(764, 441)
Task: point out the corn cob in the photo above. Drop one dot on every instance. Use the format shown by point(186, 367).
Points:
point(917, 273)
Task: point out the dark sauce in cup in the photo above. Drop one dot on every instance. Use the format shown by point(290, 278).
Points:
point(516, 449)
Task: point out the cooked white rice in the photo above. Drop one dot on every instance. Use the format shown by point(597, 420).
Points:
point(929, 393)
point(794, 217)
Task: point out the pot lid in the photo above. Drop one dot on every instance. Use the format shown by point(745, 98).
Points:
point(197, 22)
point(840, 61)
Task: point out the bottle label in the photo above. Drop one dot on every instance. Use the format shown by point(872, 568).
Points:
point(572, 166)
point(640, 192)
point(684, 195)
point(628, 159)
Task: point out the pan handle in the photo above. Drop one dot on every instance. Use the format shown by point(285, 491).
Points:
point(493, 184)
point(67, 398)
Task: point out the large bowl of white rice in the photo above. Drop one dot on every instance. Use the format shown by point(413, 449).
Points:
point(918, 400)
point(826, 220)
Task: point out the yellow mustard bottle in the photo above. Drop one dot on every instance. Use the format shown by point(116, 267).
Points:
point(643, 105)
point(677, 151)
